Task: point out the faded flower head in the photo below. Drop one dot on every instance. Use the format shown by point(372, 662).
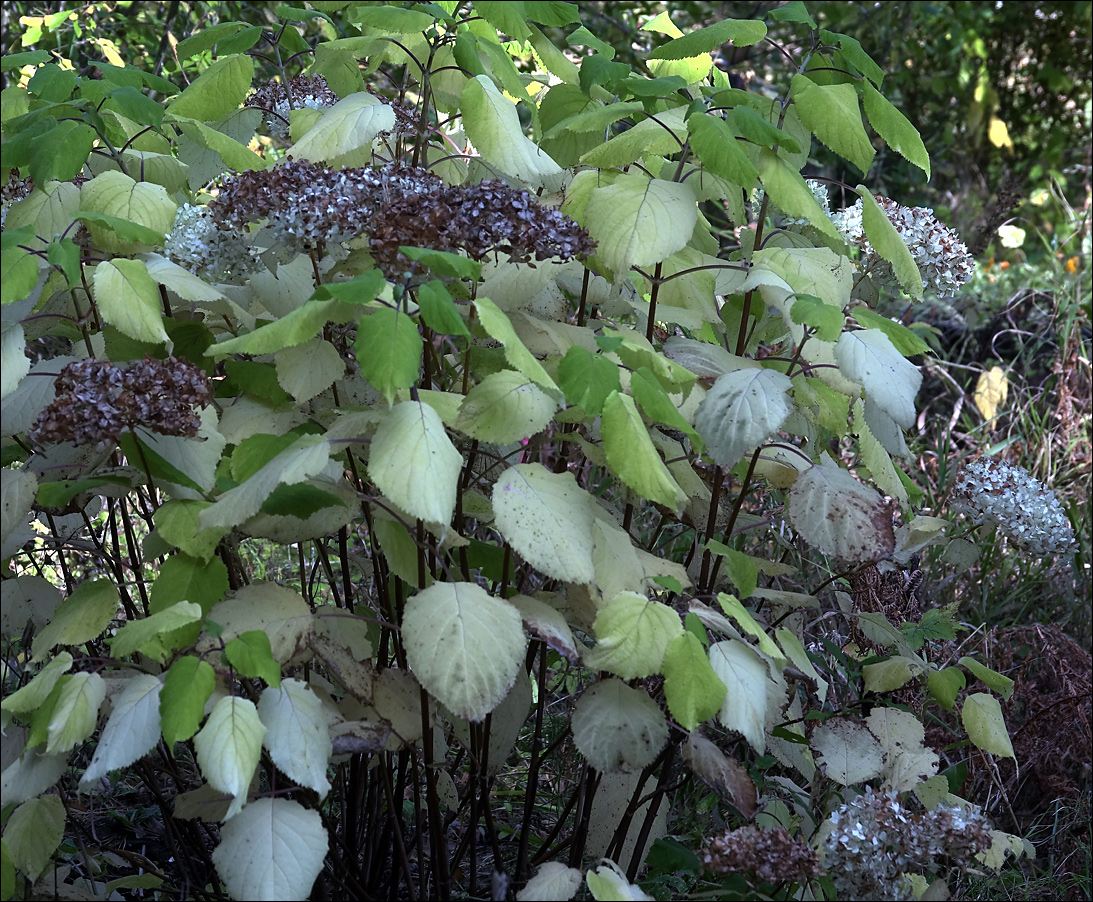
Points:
point(306, 204)
point(278, 100)
point(1027, 511)
point(97, 399)
point(877, 841)
point(943, 261)
point(196, 243)
point(482, 219)
point(772, 855)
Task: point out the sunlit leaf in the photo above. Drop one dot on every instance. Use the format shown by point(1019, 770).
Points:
point(228, 748)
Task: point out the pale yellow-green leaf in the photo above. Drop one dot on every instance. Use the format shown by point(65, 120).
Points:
point(629, 219)
point(1002, 846)
point(115, 194)
point(891, 673)
point(217, 91)
point(632, 634)
point(663, 136)
point(48, 208)
point(799, 658)
point(633, 457)
point(179, 280)
point(838, 515)
point(553, 882)
point(80, 618)
point(889, 379)
point(14, 363)
point(505, 407)
point(741, 411)
point(876, 458)
point(745, 676)
point(228, 748)
point(787, 189)
point(76, 712)
point(296, 733)
point(618, 568)
point(280, 613)
point(493, 127)
point(907, 760)
point(547, 519)
point(309, 369)
point(991, 389)
point(351, 123)
point(982, 718)
point(178, 523)
point(415, 464)
point(849, 752)
point(618, 728)
point(17, 491)
point(33, 833)
point(131, 731)
point(127, 298)
point(608, 883)
point(498, 325)
point(195, 456)
point(137, 633)
point(999, 134)
point(693, 691)
point(888, 243)
point(272, 850)
point(304, 458)
point(464, 646)
point(547, 623)
point(731, 605)
point(31, 696)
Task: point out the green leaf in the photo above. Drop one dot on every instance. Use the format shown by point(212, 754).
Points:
point(825, 318)
point(124, 229)
point(349, 125)
point(415, 464)
point(742, 410)
point(232, 153)
point(115, 194)
point(445, 263)
point(207, 38)
point(628, 220)
point(587, 379)
point(655, 403)
point(33, 695)
point(26, 58)
point(632, 456)
point(887, 242)
point(33, 833)
point(228, 748)
point(439, 310)
point(582, 37)
point(945, 684)
point(301, 325)
point(982, 718)
point(547, 519)
point(508, 18)
point(250, 654)
point(178, 523)
point(693, 691)
point(907, 342)
point(217, 91)
point(76, 711)
point(895, 128)
point(740, 568)
point(1003, 685)
point(63, 156)
point(388, 349)
point(793, 11)
point(128, 299)
point(757, 129)
point(664, 135)
point(18, 266)
point(790, 193)
point(499, 326)
point(464, 646)
point(890, 674)
point(731, 605)
point(137, 633)
point(80, 618)
point(716, 146)
point(852, 51)
point(632, 635)
point(741, 32)
point(505, 407)
point(52, 83)
point(833, 115)
point(186, 688)
point(185, 578)
point(392, 19)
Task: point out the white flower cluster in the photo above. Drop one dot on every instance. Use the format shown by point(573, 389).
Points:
point(877, 842)
point(998, 493)
point(819, 193)
point(216, 254)
point(943, 261)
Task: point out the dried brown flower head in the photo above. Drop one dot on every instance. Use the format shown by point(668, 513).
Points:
point(97, 399)
point(278, 100)
point(771, 855)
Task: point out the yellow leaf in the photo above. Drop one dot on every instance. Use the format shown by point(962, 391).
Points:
point(991, 391)
point(999, 134)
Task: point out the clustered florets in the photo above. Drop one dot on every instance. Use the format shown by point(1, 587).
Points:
point(771, 855)
point(196, 243)
point(303, 92)
point(819, 194)
point(97, 399)
point(877, 841)
point(306, 205)
point(995, 492)
point(943, 261)
point(487, 218)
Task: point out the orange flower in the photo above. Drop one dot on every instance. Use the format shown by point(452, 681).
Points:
point(1072, 265)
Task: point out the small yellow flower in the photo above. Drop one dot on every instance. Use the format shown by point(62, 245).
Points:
point(1072, 265)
